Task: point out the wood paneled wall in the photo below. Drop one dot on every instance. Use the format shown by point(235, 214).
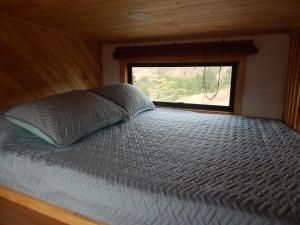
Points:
point(37, 62)
point(292, 104)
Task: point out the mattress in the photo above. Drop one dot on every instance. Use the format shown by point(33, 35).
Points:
point(164, 167)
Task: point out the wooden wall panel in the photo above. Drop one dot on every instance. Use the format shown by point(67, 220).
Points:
point(37, 62)
point(292, 104)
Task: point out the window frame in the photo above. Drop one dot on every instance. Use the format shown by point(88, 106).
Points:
point(233, 85)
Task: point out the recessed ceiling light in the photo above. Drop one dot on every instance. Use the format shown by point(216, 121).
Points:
point(139, 16)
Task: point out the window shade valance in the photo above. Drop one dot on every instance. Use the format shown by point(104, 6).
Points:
point(244, 47)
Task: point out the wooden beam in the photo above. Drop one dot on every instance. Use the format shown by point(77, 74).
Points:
point(188, 49)
point(194, 36)
point(292, 100)
point(47, 209)
point(13, 214)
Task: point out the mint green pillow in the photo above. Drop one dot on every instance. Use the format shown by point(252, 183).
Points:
point(127, 96)
point(63, 119)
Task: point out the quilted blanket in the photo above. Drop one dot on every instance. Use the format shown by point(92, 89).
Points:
point(164, 167)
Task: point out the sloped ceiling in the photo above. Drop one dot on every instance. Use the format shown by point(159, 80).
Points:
point(37, 62)
point(107, 20)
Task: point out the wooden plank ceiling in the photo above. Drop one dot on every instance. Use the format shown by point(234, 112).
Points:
point(107, 20)
point(37, 62)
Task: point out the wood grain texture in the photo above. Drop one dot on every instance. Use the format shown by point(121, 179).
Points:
point(14, 214)
point(50, 211)
point(36, 62)
point(108, 21)
point(292, 101)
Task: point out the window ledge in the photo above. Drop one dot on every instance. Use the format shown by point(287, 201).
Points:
point(198, 110)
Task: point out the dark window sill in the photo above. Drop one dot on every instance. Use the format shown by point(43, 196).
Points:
point(198, 110)
point(195, 106)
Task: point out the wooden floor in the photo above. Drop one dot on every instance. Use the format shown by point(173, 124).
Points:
point(14, 214)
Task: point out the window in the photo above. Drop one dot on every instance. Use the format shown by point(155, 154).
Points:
point(209, 86)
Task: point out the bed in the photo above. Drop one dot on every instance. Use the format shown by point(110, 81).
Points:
point(164, 167)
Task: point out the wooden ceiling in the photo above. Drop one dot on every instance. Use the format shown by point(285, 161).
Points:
point(107, 20)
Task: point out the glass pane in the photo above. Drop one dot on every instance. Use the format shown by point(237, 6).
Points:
point(195, 84)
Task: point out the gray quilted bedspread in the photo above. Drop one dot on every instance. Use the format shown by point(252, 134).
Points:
point(165, 167)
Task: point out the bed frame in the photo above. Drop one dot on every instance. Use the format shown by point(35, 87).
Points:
point(46, 209)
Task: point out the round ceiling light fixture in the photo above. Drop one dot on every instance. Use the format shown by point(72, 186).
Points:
point(140, 16)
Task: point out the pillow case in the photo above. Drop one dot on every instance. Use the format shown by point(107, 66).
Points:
point(65, 118)
point(131, 99)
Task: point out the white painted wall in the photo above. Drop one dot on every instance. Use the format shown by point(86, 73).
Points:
point(265, 80)
point(110, 66)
